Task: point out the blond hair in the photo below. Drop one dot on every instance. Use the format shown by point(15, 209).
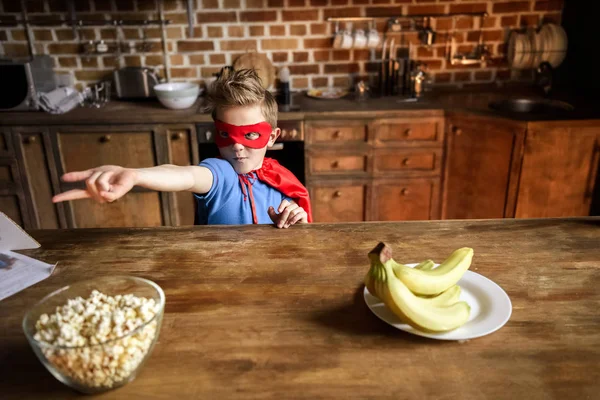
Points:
point(241, 88)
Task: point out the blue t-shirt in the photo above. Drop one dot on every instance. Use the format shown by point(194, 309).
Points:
point(224, 203)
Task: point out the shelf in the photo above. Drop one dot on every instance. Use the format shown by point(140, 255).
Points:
point(413, 16)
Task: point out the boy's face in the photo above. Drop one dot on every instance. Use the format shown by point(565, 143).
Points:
point(243, 158)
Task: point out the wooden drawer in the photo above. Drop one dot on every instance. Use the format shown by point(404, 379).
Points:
point(338, 202)
point(411, 162)
point(81, 151)
point(407, 132)
point(410, 199)
point(335, 163)
point(336, 132)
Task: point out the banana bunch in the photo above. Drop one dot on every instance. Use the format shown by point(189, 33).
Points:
point(424, 297)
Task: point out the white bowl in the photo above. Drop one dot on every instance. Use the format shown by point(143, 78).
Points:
point(177, 95)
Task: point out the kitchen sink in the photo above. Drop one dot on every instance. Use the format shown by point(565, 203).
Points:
point(531, 106)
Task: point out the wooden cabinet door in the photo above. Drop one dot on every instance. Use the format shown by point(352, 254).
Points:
point(341, 201)
point(38, 176)
point(81, 148)
point(183, 150)
point(559, 169)
point(483, 156)
point(408, 199)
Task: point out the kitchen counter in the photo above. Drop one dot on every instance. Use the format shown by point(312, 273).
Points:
point(432, 104)
point(256, 312)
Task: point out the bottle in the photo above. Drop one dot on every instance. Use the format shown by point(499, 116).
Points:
point(284, 87)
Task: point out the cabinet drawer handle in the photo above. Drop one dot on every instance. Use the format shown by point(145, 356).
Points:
point(457, 131)
point(406, 161)
point(335, 164)
point(336, 135)
point(404, 191)
point(337, 193)
point(105, 139)
point(177, 136)
point(29, 139)
point(408, 132)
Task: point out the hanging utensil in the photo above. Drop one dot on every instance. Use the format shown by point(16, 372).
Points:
point(382, 70)
point(71, 4)
point(190, 16)
point(390, 68)
point(427, 34)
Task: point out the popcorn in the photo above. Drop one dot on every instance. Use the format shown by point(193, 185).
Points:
point(98, 321)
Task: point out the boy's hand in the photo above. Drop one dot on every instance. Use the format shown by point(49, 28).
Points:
point(288, 213)
point(104, 184)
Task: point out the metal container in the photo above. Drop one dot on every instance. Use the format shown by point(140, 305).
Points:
point(135, 82)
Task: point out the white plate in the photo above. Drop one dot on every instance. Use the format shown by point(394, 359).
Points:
point(490, 309)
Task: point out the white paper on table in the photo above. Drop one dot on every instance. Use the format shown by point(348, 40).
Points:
point(17, 271)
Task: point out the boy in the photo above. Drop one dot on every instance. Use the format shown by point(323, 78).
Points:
point(241, 187)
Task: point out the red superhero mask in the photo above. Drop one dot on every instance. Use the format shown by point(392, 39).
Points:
point(237, 134)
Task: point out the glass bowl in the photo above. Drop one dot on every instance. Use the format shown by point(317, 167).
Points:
point(95, 368)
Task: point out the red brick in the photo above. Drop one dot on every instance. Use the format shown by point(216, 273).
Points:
point(43, 35)
point(235, 31)
point(443, 24)
point(299, 82)
point(381, 2)
point(67, 62)
point(341, 12)
point(443, 77)
point(511, 7)
point(89, 62)
point(488, 36)
point(300, 56)
point(529, 19)
point(428, 9)
point(320, 43)
point(153, 60)
point(174, 32)
point(184, 72)
point(207, 72)
point(298, 30)
point(92, 75)
point(300, 15)
point(231, 4)
point(321, 55)
point(341, 55)
point(383, 11)
point(424, 52)
point(317, 3)
point(483, 75)
point(275, 3)
point(111, 61)
point(213, 17)
point(125, 5)
point(277, 30)
point(552, 5)
point(257, 30)
point(304, 69)
point(462, 76)
point(248, 44)
point(362, 55)
point(318, 29)
point(341, 68)
point(62, 48)
point(468, 8)
point(279, 44)
point(341, 82)
point(339, 2)
point(464, 23)
point(196, 59)
point(280, 56)
point(210, 4)
point(296, 3)
point(258, 16)
point(188, 45)
point(131, 33)
point(360, 2)
point(216, 58)
point(255, 3)
point(434, 65)
point(509, 21)
point(489, 22)
point(133, 61)
point(214, 31)
point(319, 81)
point(552, 18)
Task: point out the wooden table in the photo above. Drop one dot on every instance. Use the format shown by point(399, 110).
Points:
point(256, 312)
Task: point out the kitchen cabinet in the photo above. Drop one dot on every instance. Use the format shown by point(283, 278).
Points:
point(559, 169)
point(397, 160)
point(482, 169)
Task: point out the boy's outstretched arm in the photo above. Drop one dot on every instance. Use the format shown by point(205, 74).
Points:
point(110, 182)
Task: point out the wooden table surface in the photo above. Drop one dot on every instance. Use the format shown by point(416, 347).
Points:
point(256, 312)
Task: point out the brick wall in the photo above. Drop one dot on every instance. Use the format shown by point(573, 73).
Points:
point(290, 32)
